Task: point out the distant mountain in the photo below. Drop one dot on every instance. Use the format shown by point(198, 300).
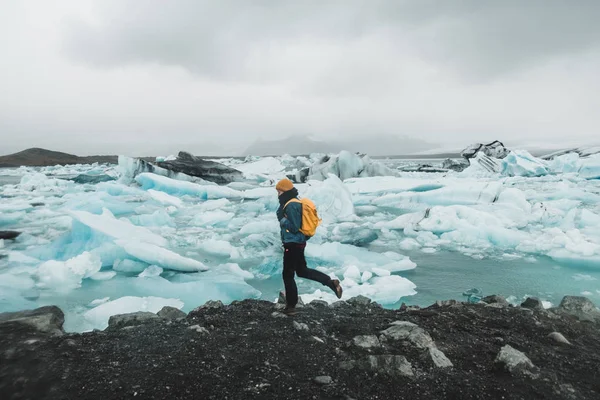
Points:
point(373, 145)
point(37, 157)
point(294, 145)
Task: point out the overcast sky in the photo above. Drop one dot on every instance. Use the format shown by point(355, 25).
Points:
point(154, 76)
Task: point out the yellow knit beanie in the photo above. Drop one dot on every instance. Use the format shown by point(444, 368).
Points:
point(284, 185)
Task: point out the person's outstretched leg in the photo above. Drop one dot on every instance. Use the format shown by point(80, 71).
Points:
point(291, 291)
point(303, 271)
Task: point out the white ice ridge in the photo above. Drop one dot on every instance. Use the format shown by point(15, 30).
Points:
point(118, 229)
point(162, 257)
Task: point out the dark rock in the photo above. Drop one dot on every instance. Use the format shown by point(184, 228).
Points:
point(237, 351)
point(213, 304)
point(212, 171)
point(209, 305)
point(389, 365)
point(47, 320)
point(513, 360)
point(533, 303)
point(318, 303)
point(323, 380)
point(495, 299)
point(446, 303)
point(359, 301)
point(340, 304)
point(171, 313)
point(404, 307)
point(9, 234)
point(131, 319)
point(37, 204)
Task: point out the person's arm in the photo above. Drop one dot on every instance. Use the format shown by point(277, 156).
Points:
point(292, 220)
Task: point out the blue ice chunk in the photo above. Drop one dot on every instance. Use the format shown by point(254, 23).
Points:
point(180, 188)
point(157, 218)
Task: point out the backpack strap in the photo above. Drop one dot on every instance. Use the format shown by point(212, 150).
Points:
point(294, 200)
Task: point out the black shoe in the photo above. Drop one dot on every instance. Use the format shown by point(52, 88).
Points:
point(337, 288)
point(289, 311)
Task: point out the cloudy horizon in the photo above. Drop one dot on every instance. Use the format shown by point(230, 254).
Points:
point(120, 76)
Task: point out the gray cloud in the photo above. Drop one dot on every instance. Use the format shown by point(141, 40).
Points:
point(244, 40)
point(154, 77)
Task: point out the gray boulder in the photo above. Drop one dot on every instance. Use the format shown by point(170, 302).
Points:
point(300, 326)
point(171, 313)
point(340, 304)
point(495, 299)
point(132, 319)
point(47, 320)
point(323, 380)
point(439, 358)
point(359, 301)
point(211, 304)
point(9, 234)
point(318, 303)
point(513, 360)
point(404, 330)
point(579, 307)
point(366, 341)
point(533, 303)
point(388, 364)
point(558, 337)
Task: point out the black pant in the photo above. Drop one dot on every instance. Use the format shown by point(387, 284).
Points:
point(294, 262)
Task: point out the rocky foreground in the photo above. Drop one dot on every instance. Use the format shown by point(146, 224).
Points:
point(348, 350)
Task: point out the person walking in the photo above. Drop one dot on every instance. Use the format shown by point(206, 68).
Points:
point(294, 241)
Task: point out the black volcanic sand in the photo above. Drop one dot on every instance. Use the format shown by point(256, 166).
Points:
point(245, 351)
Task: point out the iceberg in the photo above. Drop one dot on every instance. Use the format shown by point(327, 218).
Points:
point(165, 198)
point(64, 276)
point(263, 166)
point(494, 149)
point(347, 165)
point(181, 188)
point(521, 163)
point(107, 224)
point(185, 167)
point(190, 240)
point(332, 198)
point(164, 258)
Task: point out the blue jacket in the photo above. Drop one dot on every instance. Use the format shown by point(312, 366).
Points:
point(290, 220)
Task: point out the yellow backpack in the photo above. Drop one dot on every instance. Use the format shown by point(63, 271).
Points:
point(310, 217)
